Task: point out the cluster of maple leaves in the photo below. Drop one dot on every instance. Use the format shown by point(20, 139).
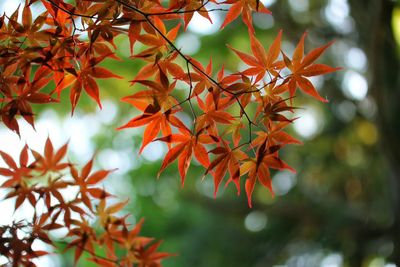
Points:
point(65, 199)
point(237, 126)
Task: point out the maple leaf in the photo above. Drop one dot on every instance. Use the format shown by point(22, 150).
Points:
point(85, 78)
point(148, 255)
point(272, 112)
point(85, 238)
point(199, 77)
point(157, 98)
point(52, 190)
point(165, 64)
point(261, 62)
point(302, 67)
point(272, 93)
point(16, 174)
point(68, 208)
point(18, 98)
point(22, 192)
point(155, 122)
point(59, 12)
point(152, 102)
point(28, 28)
point(22, 252)
point(213, 113)
point(109, 262)
point(187, 145)
point(244, 7)
point(157, 39)
point(275, 136)
point(227, 160)
point(85, 181)
point(244, 91)
point(234, 131)
point(258, 168)
point(50, 161)
point(41, 226)
point(105, 213)
point(191, 7)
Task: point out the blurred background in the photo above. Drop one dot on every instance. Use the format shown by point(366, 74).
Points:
point(342, 208)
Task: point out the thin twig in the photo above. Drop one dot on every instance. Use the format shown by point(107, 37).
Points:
point(190, 94)
point(92, 253)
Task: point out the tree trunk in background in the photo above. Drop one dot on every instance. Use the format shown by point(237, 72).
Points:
point(373, 21)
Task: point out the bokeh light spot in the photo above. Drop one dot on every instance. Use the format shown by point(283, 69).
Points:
point(332, 260)
point(203, 26)
point(308, 124)
point(282, 182)
point(153, 151)
point(367, 132)
point(299, 5)
point(255, 221)
point(355, 58)
point(188, 43)
point(354, 85)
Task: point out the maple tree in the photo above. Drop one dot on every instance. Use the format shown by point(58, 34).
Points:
point(237, 126)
